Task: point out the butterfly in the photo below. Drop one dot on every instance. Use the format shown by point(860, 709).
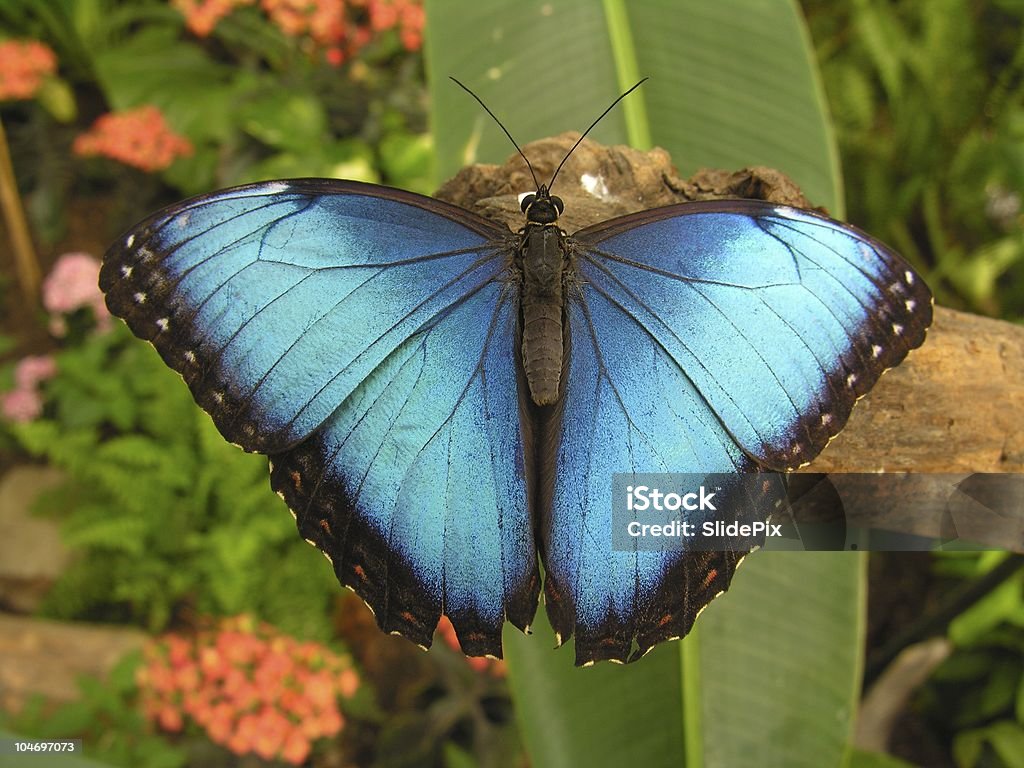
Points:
point(443, 399)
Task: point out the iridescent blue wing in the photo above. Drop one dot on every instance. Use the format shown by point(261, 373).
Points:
point(708, 337)
point(364, 337)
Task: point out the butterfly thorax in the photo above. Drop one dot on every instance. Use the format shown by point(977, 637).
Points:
point(542, 259)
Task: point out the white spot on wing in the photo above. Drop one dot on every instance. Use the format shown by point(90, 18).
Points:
point(163, 323)
point(140, 298)
point(130, 241)
point(126, 271)
point(897, 329)
point(910, 277)
point(189, 356)
point(273, 187)
point(876, 351)
point(910, 304)
point(851, 379)
point(826, 419)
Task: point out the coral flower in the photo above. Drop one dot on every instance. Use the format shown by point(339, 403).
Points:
point(138, 137)
point(201, 16)
point(23, 67)
point(296, 748)
point(273, 699)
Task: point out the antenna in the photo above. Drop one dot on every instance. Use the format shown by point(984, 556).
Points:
point(582, 137)
point(487, 109)
point(578, 141)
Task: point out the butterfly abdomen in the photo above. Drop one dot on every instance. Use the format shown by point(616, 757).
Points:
point(543, 263)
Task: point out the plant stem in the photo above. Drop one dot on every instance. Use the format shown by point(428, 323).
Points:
point(25, 262)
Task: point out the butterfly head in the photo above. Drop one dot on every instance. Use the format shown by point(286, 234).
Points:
point(542, 207)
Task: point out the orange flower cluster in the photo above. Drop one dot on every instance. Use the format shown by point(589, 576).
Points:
point(137, 137)
point(201, 16)
point(23, 67)
point(339, 27)
point(404, 15)
point(252, 689)
point(495, 667)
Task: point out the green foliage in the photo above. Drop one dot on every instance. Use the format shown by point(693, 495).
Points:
point(928, 103)
point(254, 102)
point(976, 697)
point(859, 759)
point(105, 717)
point(161, 511)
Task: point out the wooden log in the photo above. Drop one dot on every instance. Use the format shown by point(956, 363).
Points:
point(956, 405)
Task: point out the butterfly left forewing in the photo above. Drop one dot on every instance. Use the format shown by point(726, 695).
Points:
point(274, 300)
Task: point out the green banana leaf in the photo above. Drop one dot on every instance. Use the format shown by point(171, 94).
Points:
point(769, 676)
point(732, 83)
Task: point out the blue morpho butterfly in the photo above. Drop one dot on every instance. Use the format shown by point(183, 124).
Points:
point(442, 398)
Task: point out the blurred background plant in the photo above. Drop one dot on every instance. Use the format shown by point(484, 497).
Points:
point(928, 104)
point(113, 108)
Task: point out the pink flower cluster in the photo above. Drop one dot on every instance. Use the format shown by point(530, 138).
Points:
point(338, 27)
point(71, 285)
point(23, 67)
point(137, 137)
point(495, 667)
point(251, 688)
point(24, 402)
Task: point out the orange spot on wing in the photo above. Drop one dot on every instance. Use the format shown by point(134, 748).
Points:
point(709, 579)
